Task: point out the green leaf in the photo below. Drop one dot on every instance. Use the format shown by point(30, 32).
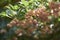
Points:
point(58, 19)
point(15, 7)
point(25, 2)
point(3, 14)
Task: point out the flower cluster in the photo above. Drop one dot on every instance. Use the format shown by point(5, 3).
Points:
point(39, 13)
point(55, 8)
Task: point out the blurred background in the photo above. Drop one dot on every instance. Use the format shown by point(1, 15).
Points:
point(29, 19)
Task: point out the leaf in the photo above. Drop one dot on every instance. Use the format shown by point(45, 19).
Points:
point(58, 19)
point(3, 14)
point(25, 2)
point(15, 7)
